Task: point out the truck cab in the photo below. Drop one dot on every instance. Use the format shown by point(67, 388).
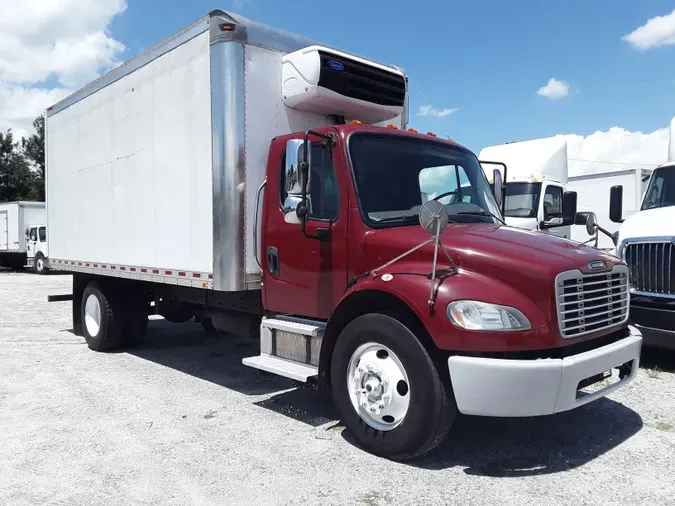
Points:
point(646, 242)
point(535, 182)
point(37, 255)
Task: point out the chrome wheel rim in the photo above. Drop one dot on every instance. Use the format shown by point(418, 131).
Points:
point(378, 386)
point(92, 315)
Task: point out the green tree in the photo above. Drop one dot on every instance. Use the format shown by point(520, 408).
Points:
point(34, 146)
point(17, 180)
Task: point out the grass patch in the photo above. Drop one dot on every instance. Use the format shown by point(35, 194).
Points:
point(210, 414)
point(654, 373)
point(375, 499)
point(664, 426)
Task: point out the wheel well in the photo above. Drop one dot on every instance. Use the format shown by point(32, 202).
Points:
point(373, 301)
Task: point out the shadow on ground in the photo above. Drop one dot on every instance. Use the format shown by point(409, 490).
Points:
point(514, 447)
point(496, 447)
point(655, 358)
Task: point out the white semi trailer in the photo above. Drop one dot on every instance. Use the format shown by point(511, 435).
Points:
point(23, 235)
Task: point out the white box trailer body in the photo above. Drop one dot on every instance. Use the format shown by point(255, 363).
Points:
point(593, 195)
point(153, 170)
point(15, 219)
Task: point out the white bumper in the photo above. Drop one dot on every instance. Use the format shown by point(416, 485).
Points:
point(513, 388)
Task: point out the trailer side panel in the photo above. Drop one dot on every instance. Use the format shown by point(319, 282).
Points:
point(129, 165)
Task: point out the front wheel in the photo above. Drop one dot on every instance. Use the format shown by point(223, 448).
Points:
point(388, 390)
point(40, 264)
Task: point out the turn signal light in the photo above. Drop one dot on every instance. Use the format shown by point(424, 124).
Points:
point(432, 134)
point(412, 130)
point(356, 122)
point(390, 125)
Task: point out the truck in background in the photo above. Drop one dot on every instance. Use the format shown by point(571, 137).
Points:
point(538, 176)
point(593, 192)
point(287, 170)
point(23, 236)
point(646, 242)
point(535, 182)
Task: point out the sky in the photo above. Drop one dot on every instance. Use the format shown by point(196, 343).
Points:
point(483, 72)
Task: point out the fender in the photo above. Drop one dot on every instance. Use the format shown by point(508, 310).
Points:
point(409, 282)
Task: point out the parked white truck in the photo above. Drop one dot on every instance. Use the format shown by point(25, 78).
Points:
point(263, 183)
point(23, 235)
point(538, 177)
point(646, 241)
point(534, 184)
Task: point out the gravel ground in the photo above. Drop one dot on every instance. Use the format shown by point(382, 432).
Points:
point(181, 421)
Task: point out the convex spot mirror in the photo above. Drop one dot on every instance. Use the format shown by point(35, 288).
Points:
point(589, 220)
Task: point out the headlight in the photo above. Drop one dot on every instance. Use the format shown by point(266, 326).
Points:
point(474, 315)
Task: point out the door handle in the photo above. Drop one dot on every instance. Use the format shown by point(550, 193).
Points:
point(273, 261)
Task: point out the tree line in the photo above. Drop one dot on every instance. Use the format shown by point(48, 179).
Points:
point(22, 165)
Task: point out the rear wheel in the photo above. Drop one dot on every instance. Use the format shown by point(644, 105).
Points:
point(100, 316)
point(388, 390)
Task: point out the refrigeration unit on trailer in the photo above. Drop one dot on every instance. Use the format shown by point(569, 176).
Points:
point(646, 241)
point(23, 235)
point(535, 183)
point(263, 183)
point(593, 192)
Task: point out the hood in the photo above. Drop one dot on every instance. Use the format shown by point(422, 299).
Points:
point(526, 260)
point(657, 222)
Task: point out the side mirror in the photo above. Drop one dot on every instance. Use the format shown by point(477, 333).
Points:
point(589, 220)
point(569, 208)
point(27, 233)
point(296, 179)
point(498, 187)
point(616, 204)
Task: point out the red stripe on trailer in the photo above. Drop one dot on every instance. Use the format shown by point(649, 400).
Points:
point(86, 265)
point(123, 268)
point(155, 271)
point(210, 276)
point(96, 266)
point(132, 269)
point(196, 275)
point(144, 270)
point(168, 273)
point(181, 274)
point(113, 267)
point(103, 266)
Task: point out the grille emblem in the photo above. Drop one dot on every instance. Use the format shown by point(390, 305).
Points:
point(596, 265)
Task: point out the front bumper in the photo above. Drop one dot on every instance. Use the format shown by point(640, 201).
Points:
point(517, 388)
point(657, 324)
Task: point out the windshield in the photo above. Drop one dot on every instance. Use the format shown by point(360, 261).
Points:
point(661, 189)
point(522, 200)
point(396, 175)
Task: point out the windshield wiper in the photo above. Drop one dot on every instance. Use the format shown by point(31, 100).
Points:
point(395, 219)
point(482, 213)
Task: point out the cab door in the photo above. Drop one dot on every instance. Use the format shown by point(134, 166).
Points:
point(551, 209)
point(31, 242)
point(305, 274)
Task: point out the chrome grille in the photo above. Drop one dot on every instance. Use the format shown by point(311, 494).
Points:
point(591, 302)
point(650, 266)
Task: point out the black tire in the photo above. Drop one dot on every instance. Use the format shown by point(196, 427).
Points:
point(209, 328)
point(40, 261)
point(109, 333)
point(431, 411)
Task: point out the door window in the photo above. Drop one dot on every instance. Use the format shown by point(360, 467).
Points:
point(42, 233)
point(324, 194)
point(553, 202)
point(32, 235)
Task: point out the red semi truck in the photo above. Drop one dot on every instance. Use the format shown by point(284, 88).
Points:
point(262, 183)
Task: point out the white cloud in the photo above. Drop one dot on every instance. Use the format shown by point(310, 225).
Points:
point(554, 89)
point(62, 41)
point(430, 110)
point(658, 31)
point(616, 149)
